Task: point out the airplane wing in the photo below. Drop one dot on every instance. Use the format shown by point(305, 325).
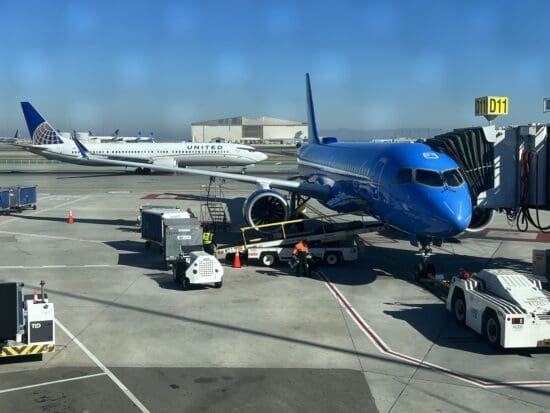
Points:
point(317, 191)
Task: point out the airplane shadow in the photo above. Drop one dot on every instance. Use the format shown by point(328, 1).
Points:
point(436, 324)
point(97, 221)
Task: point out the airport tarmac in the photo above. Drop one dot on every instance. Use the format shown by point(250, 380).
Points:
point(362, 337)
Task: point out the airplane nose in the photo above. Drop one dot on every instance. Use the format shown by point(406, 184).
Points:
point(261, 156)
point(458, 216)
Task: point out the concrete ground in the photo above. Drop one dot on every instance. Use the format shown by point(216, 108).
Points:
point(362, 337)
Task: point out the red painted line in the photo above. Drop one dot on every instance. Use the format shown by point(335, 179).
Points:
point(384, 348)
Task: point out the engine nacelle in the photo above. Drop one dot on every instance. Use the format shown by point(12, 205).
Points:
point(265, 206)
point(481, 218)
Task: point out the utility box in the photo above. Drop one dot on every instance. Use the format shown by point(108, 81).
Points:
point(181, 235)
point(23, 197)
point(5, 194)
point(40, 322)
point(541, 263)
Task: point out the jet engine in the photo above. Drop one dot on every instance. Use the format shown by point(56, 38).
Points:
point(265, 206)
point(481, 218)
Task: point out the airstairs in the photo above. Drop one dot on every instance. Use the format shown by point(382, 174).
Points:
point(213, 208)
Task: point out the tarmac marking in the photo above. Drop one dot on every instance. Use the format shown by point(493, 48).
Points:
point(34, 267)
point(47, 209)
point(26, 234)
point(385, 349)
point(104, 368)
point(47, 383)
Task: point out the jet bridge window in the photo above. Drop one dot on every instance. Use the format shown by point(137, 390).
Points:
point(429, 178)
point(404, 176)
point(453, 178)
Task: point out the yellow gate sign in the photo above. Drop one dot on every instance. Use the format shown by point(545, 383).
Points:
point(491, 105)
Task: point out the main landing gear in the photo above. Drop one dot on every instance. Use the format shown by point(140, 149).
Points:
point(424, 269)
point(143, 171)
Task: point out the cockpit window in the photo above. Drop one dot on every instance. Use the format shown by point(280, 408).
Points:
point(429, 178)
point(404, 176)
point(453, 177)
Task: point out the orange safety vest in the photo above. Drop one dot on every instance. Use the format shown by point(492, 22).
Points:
point(300, 246)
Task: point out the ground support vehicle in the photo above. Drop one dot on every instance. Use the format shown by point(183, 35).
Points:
point(26, 322)
point(332, 242)
point(23, 197)
point(197, 268)
point(331, 254)
point(510, 309)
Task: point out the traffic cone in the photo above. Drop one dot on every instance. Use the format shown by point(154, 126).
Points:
point(70, 220)
point(237, 260)
point(35, 296)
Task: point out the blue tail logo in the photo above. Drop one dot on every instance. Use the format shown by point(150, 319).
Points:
point(40, 130)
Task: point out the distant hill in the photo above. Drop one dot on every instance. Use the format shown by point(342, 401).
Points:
point(357, 134)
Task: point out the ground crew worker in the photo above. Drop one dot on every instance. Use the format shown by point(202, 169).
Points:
point(208, 241)
point(300, 252)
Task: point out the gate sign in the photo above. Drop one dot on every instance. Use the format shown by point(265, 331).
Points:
point(491, 105)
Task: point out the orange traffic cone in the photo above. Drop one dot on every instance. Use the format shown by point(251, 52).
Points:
point(70, 220)
point(237, 260)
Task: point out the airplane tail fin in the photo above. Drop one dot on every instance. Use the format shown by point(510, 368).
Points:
point(16, 136)
point(40, 130)
point(313, 133)
point(115, 134)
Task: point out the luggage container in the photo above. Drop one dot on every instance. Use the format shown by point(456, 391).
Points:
point(163, 208)
point(5, 200)
point(23, 197)
point(152, 224)
point(181, 236)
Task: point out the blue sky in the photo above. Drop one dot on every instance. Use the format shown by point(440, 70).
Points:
point(159, 65)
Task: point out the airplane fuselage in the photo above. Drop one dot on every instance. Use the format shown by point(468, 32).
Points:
point(405, 185)
point(183, 153)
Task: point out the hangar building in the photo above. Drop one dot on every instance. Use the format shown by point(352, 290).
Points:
point(242, 129)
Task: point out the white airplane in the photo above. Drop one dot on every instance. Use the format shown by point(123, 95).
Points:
point(47, 142)
point(115, 137)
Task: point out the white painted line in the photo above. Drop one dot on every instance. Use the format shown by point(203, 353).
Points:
point(27, 234)
point(39, 211)
point(382, 347)
point(99, 265)
point(47, 383)
point(36, 267)
point(99, 364)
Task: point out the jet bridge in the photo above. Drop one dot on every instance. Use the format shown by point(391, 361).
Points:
point(507, 169)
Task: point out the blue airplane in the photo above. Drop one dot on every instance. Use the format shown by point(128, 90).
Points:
point(407, 186)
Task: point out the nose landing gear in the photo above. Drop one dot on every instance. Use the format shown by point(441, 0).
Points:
point(424, 269)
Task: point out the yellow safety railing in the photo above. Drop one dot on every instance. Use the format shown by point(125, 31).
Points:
point(273, 227)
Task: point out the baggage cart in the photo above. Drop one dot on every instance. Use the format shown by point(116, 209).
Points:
point(23, 197)
point(5, 194)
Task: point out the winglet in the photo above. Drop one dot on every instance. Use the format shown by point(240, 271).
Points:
point(81, 148)
point(313, 133)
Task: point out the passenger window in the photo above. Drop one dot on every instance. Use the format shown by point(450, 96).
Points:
point(404, 176)
point(453, 177)
point(429, 178)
